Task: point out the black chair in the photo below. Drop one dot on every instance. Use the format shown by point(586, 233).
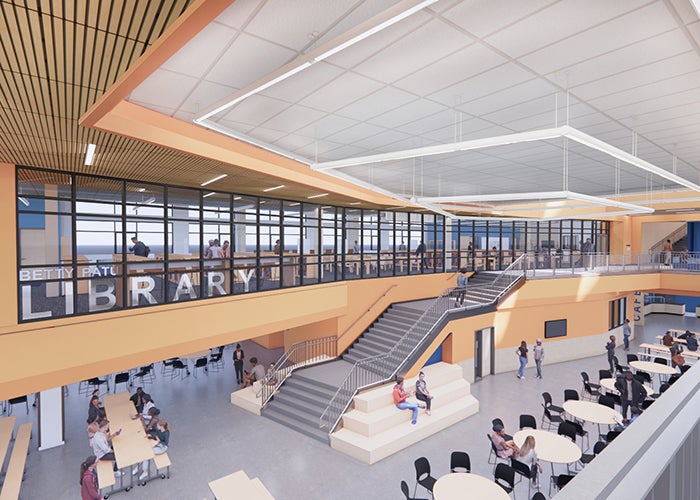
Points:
point(606, 401)
point(552, 419)
point(611, 435)
point(167, 366)
point(570, 395)
point(604, 374)
point(493, 453)
point(632, 357)
point(523, 470)
point(661, 361)
point(580, 431)
point(589, 391)
point(16, 401)
point(662, 388)
point(121, 378)
point(539, 496)
point(643, 377)
point(620, 368)
point(567, 429)
point(673, 378)
point(504, 476)
point(97, 382)
point(548, 403)
point(460, 460)
point(216, 362)
point(404, 489)
point(146, 374)
point(179, 366)
point(201, 363)
point(587, 458)
point(423, 476)
point(527, 421)
point(559, 481)
point(586, 378)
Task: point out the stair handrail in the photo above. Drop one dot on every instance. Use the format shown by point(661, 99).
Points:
point(383, 368)
point(299, 355)
point(510, 274)
point(369, 308)
point(673, 236)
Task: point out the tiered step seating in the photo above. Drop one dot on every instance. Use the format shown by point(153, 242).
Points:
point(375, 428)
point(238, 485)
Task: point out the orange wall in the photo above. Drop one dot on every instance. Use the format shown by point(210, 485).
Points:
point(8, 246)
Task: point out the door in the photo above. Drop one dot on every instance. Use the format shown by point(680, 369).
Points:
point(484, 352)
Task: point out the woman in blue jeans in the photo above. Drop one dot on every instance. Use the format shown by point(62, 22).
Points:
point(522, 355)
point(400, 396)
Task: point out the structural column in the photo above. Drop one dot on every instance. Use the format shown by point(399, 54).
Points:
point(51, 418)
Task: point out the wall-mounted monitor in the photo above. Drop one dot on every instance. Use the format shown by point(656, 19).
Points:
point(555, 328)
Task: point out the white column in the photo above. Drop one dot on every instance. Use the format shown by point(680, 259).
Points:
point(181, 232)
point(51, 418)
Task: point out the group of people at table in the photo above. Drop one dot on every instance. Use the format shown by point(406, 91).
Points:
point(100, 438)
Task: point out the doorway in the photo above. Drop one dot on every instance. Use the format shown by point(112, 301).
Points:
point(484, 352)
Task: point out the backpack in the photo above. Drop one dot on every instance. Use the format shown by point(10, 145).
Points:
point(148, 250)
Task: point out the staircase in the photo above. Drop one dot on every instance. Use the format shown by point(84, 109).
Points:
point(393, 343)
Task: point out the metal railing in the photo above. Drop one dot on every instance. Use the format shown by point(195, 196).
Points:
point(384, 367)
point(604, 263)
point(299, 355)
point(674, 236)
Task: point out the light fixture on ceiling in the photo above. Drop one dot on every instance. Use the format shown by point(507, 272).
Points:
point(90, 154)
point(355, 203)
point(149, 200)
point(211, 193)
point(218, 177)
point(23, 200)
point(141, 190)
point(296, 203)
point(316, 196)
point(235, 198)
point(366, 29)
point(274, 188)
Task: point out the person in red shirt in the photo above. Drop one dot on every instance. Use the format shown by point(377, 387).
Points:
point(400, 396)
point(88, 480)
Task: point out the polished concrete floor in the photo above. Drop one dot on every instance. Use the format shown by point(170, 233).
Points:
point(211, 438)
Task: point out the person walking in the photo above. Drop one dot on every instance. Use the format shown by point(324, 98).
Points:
point(461, 286)
point(420, 253)
point(538, 354)
point(521, 352)
point(610, 347)
point(668, 248)
point(238, 358)
point(626, 332)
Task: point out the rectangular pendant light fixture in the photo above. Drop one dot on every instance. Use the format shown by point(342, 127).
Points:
point(219, 177)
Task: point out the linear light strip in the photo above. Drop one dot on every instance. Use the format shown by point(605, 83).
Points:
point(502, 140)
point(90, 154)
point(218, 177)
point(364, 30)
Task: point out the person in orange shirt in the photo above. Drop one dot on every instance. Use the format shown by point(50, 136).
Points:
point(400, 396)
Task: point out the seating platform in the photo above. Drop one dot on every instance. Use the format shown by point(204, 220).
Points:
point(239, 485)
point(375, 428)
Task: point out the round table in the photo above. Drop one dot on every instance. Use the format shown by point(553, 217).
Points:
point(461, 485)
point(550, 447)
point(591, 412)
point(609, 385)
point(651, 367)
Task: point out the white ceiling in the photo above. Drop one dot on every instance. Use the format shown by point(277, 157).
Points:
point(457, 70)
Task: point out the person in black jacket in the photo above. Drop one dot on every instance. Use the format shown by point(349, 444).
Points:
point(139, 247)
point(631, 391)
point(238, 358)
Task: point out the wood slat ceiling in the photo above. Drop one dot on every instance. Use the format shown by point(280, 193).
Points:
point(57, 57)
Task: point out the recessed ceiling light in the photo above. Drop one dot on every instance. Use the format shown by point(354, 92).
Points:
point(209, 194)
point(141, 190)
point(24, 201)
point(90, 154)
point(317, 196)
point(355, 203)
point(237, 198)
point(262, 202)
point(296, 203)
point(213, 180)
point(274, 188)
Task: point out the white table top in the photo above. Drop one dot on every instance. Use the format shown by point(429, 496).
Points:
point(649, 366)
point(609, 384)
point(591, 412)
point(549, 446)
point(461, 485)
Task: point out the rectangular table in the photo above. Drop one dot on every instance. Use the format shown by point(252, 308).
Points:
point(7, 425)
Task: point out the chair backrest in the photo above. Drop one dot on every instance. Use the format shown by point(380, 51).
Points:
point(661, 361)
point(121, 377)
point(604, 374)
point(17, 400)
point(505, 473)
point(539, 496)
point(611, 435)
point(178, 364)
point(547, 399)
point(528, 421)
point(570, 394)
point(460, 460)
point(520, 468)
point(200, 362)
point(404, 489)
point(493, 446)
point(673, 378)
point(664, 387)
point(577, 427)
point(643, 377)
point(568, 430)
point(685, 368)
point(585, 378)
point(563, 480)
point(606, 401)
point(632, 357)
point(422, 468)
point(599, 446)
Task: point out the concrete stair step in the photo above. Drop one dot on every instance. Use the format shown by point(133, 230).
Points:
point(364, 348)
point(403, 312)
point(388, 331)
point(312, 431)
point(303, 397)
point(375, 422)
point(372, 449)
point(302, 414)
point(304, 385)
point(377, 342)
point(397, 324)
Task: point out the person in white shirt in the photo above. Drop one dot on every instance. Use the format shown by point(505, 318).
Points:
point(101, 445)
point(147, 405)
point(538, 354)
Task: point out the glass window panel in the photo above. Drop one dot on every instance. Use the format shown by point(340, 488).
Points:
point(183, 198)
